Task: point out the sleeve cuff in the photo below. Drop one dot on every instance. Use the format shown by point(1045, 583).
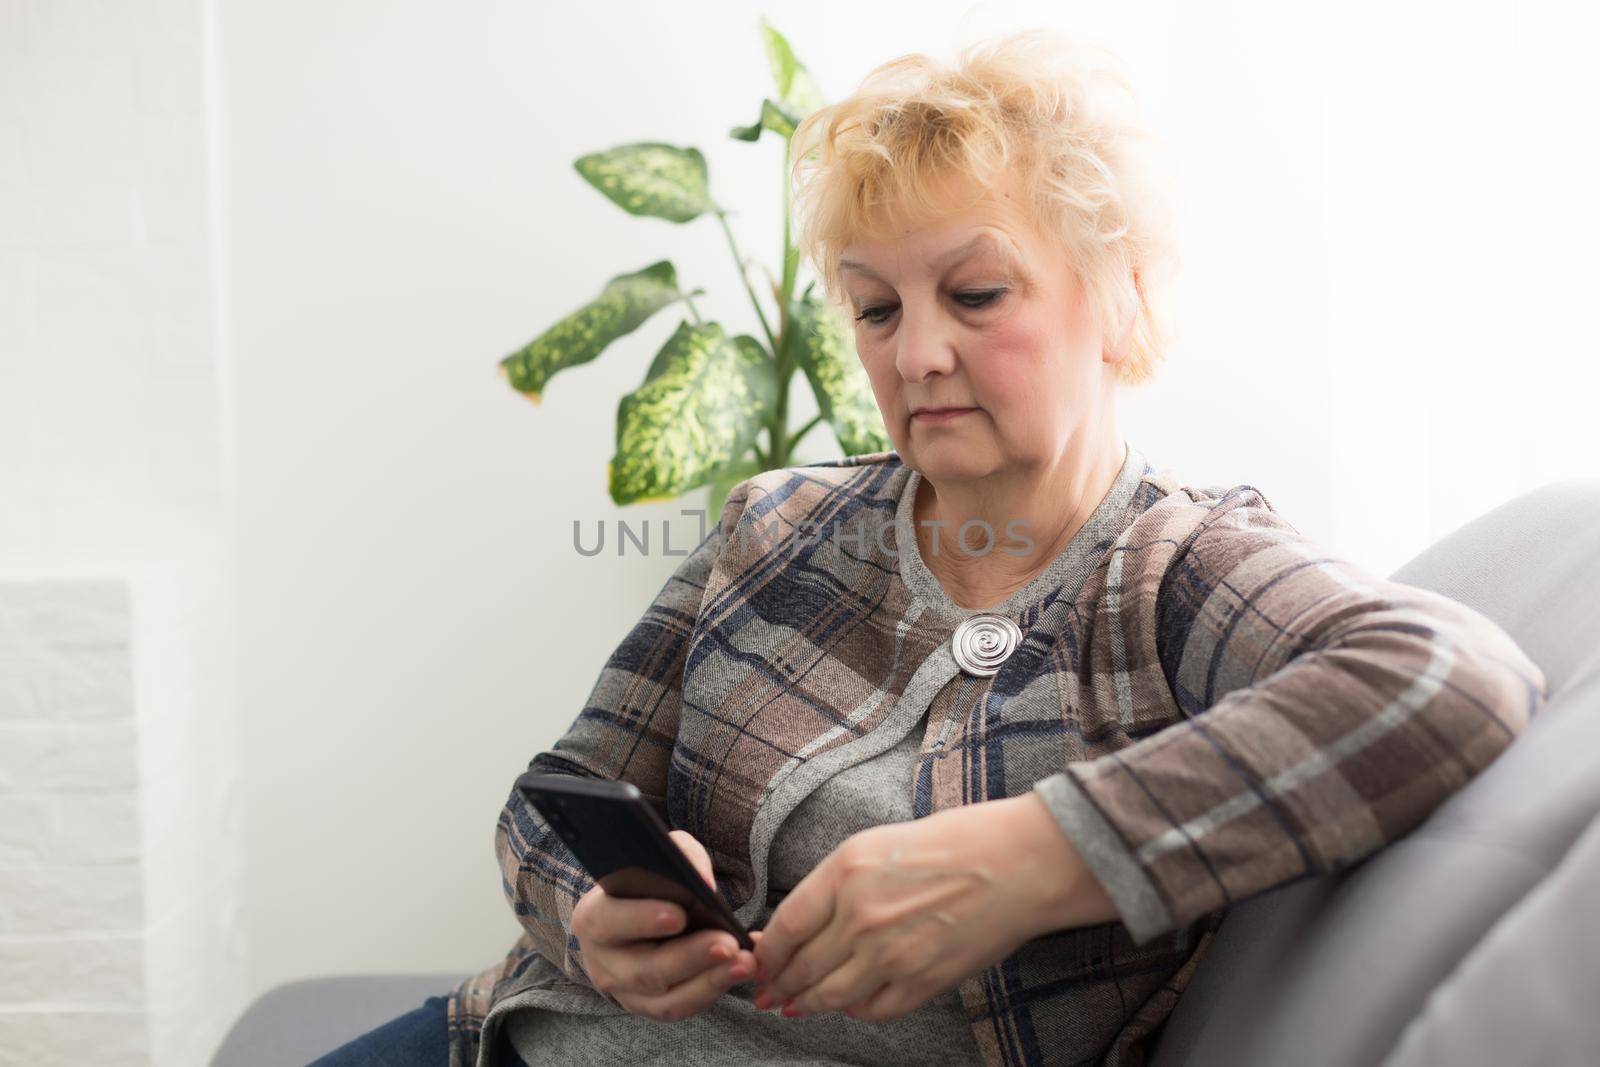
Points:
point(1108, 859)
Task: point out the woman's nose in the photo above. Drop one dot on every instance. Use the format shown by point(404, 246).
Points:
point(924, 348)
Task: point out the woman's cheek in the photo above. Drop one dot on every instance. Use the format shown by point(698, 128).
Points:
point(884, 381)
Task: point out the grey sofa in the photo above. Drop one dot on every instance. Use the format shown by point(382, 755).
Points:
point(1475, 940)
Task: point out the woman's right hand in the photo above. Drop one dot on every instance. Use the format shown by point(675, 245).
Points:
point(641, 960)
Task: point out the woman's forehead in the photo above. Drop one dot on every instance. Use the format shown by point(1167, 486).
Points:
point(936, 248)
point(993, 227)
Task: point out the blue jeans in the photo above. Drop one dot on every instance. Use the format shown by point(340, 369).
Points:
point(416, 1039)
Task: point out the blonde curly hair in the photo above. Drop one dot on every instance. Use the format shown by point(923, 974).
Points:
point(1054, 112)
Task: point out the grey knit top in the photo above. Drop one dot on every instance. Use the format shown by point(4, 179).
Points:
point(877, 790)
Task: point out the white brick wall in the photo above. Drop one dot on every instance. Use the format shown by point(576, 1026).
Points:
point(120, 836)
point(120, 825)
point(72, 946)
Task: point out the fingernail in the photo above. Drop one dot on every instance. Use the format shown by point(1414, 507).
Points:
point(763, 1000)
point(791, 1011)
point(664, 918)
point(720, 952)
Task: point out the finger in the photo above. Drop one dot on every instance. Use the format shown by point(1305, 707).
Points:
point(617, 921)
point(761, 972)
point(815, 960)
point(652, 968)
point(851, 983)
point(859, 1010)
point(697, 854)
point(696, 992)
point(799, 916)
point(891, 1001)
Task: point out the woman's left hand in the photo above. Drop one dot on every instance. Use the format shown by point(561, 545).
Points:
point(902, 912)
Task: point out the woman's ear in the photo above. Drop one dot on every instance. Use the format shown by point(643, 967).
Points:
point(1124, 337)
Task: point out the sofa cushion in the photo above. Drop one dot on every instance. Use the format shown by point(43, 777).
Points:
point(1533, 566)
point(1331, 970)
point(298, 1021)
point(1525, 994)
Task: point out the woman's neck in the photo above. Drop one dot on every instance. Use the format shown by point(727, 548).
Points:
point(1021, 521)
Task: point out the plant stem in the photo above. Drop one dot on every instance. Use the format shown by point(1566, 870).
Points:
point(801, 432)
point(789, 258)
point(694, 314)
point(744, 277)
point(782, 443)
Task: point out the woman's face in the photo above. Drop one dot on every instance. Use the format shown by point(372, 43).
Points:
point(982, 314)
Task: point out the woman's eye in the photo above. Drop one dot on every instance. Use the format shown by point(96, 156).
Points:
point(979, 298)
point(973, 299)
point(867, 313)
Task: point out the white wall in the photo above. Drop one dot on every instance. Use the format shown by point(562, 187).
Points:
point(120, 817)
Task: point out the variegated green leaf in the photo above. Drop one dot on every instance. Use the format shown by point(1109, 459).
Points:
point(773, 117)
point(756, 352)
point(650, 178)
point(796, 89)
point(826, 351)
point(625, 302)
point(706, 398)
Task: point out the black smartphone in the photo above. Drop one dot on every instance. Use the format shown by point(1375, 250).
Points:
point(623, 844)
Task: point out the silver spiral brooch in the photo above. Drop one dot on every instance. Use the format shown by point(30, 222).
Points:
point(981, 643)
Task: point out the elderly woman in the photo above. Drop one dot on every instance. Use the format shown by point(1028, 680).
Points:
point(982, 734)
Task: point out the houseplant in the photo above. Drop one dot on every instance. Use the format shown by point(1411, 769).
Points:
point(712, 409)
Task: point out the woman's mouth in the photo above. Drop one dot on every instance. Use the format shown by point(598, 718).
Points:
point(940, 414)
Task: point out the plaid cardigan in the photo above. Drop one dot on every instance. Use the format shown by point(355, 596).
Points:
point(1211, 705)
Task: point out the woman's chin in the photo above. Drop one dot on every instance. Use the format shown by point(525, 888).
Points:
point(941, 463)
